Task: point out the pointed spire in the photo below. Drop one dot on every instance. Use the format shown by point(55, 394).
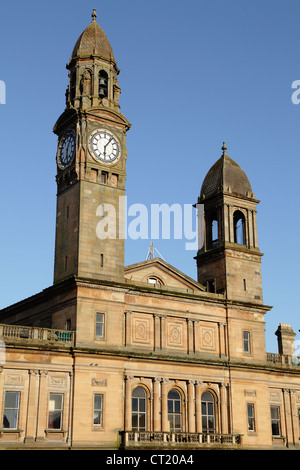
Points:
point(224, 148)
point(94, 14)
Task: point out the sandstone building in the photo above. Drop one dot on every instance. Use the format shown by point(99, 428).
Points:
point(142, 356)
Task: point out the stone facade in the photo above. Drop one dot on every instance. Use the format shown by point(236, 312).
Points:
point(142, 356)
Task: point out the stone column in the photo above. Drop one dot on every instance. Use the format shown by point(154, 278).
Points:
point(128, 403)
point(157, 334)
point(294, 416)
point(190, 328)
point(198, 393)
point(163, 332)
point(223, 405)
point(42, 408)
point(222, 351)
point(31, 424)
point(164, 406)
point(287, 416)
point(156, 405)
point(128, 328)
point(1, 388)
point(191, 406)
point(197, 335)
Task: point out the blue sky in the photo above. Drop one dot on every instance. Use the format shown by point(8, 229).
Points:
point(193, 73)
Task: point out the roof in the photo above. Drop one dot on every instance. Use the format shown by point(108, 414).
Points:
point(226, 175)
point(167, 275)
point(93, 41)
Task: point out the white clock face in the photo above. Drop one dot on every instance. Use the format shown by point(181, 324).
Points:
point(105, 146)
point(66, 149)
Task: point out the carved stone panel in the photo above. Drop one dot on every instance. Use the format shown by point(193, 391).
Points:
point(176, 334)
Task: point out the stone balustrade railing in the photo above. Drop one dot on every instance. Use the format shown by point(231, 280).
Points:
point(16, 333)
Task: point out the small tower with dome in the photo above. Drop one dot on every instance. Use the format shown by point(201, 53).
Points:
point(228, 258)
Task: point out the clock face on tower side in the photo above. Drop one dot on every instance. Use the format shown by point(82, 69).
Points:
point(66, 149)
point(104, 146)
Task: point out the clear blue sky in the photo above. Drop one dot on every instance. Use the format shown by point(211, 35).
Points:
point(193, 73)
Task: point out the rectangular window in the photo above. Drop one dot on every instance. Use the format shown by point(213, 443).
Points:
point(275, 421)
point(101, 260)
point(246, 340)
point(55, 411)
point(104, 177)
point(251, 419)
point(11, 410)
point(100, 325)
point(98, 410)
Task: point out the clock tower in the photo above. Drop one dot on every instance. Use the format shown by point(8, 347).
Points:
point(91, 164)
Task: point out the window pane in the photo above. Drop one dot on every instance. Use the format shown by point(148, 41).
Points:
point(274, 412)
point(142, 422)
point(134, 421)
point(210, 421)
point(11, 410)
point(177, 406)
point(275, 429)
point(139, 392)
point(11, 400)
point(98, 402)
point(134, 404)
point(210, 408)
point(10, 419)
point(100, 324)
point(55, 402)
point(173, 394)
point(142, 404)
point(54, 420)
point(97, 417)
point(177, 422)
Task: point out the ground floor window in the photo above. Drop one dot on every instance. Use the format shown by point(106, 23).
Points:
point(275, 421)
point(55, 411)
point(250, 413)
point(98, 409)
point(174, 411)
point(11, 410)
point(208, 412)
point(139, 409)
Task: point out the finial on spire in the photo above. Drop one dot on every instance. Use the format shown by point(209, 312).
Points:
point(224, 148)
point(94, 14)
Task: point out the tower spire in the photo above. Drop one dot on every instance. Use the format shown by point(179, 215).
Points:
point(224, 148)
point(94, 14)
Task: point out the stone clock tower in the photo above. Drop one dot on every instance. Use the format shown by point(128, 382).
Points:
point(91, 164)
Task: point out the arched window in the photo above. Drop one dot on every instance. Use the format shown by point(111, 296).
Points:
point(212, 231)
point(174, 411)
point(208, 412)
point(72, 85)
point(239, 228)
point(154, 280)
point(103, 84)
point(139, 409)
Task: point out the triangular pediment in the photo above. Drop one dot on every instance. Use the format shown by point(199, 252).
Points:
point(158, 272)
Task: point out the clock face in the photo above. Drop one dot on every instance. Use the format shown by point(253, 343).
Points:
point(66, 149)
point(104, 146)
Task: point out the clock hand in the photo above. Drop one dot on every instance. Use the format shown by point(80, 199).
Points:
point(108, 143)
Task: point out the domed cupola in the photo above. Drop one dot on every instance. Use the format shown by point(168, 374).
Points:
point(228, 257)
point(226, 176)
point(93, 42)
point(93, 71)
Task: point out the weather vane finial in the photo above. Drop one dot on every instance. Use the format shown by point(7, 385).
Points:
point(224, 148)
point(94, 14)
